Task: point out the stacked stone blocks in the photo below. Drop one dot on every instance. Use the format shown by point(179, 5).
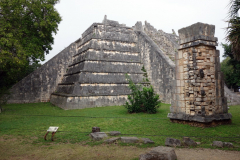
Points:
point(96, 77)
point(199, 86)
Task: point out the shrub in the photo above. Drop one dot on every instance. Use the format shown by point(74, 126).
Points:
point(142, 97)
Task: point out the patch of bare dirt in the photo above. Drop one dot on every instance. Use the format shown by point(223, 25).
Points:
point(206, 154)
point(12, 148)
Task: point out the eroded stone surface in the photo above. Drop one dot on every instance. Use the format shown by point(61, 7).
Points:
point(189, 142)
point(159, 153)
point(97, 136)
point(199, 86)
point(228, 145)
point(172, 142)
point(217, 144)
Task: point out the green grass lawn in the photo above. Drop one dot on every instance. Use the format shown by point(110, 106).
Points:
point(32, 120)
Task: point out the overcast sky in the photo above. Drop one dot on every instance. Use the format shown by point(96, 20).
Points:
point(78, 15)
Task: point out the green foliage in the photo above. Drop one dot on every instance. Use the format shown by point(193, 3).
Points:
point(142, 97)
point(230, 68)
point(233, 29)
point(25, 34)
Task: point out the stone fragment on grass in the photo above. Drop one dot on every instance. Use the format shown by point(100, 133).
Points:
point(189, 142)
point(147, 140)
point(114, 133)
point(172, 142)
point(227, 144)
point(159, 153)
point(97, 136)
point(129, 139)
point(217, 144)
point(112, 140)
point(95, 129)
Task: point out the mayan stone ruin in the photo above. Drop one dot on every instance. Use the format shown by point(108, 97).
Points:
point(199, 87)
point(91, 71)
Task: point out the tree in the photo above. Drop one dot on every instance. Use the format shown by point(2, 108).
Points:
point(230, 68)
point(233, 29)
point(25, 35)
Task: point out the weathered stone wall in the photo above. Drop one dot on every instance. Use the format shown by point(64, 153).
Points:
point(232, 98)
point(199, 86)
point(106, 52)
point(167, 42)
point(39, 85)
point(159, 67)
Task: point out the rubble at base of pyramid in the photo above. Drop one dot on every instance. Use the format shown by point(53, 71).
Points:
point(199, 87)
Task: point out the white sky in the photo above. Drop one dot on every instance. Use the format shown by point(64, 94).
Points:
point(78, 15)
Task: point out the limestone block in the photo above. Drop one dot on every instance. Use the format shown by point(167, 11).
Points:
point(181, 69)
point(180, 54)
point(188, 111)
point(185, 55)
point(228, 145)
point(189, 142)
point(160, 152)
point(178, 83)
point(97, 136)
point(217, 144)
point(172, 142)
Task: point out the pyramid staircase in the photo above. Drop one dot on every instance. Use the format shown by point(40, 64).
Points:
point(96, 77)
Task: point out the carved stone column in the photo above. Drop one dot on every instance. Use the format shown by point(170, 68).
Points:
point(199, 88)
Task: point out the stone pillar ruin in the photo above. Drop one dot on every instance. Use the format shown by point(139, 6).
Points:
point(199, 87)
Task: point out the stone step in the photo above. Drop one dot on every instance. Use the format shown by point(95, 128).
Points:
point(91, 77)
point(106, 56)
point(105, 66)
point(94, 89)
point(108, 45)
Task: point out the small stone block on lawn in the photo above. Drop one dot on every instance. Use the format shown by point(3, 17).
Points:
point(189, 142)
point(147, 140)
point(159, 153)
point(97, 136)
point(172, 142)
point(227, 144)
point(114, 133)
point(95, 129)
point(217, 144)
point(112, 140)
point(129, 139)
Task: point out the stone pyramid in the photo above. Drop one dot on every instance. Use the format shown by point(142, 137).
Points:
point(96, 77)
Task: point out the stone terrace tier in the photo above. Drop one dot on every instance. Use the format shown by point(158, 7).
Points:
point(96, 77)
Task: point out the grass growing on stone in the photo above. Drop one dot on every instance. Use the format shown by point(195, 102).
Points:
point(30, 121)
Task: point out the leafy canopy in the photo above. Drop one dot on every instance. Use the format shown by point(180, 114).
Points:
point(230, 68)
point(25, 33)
point(233, 29)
